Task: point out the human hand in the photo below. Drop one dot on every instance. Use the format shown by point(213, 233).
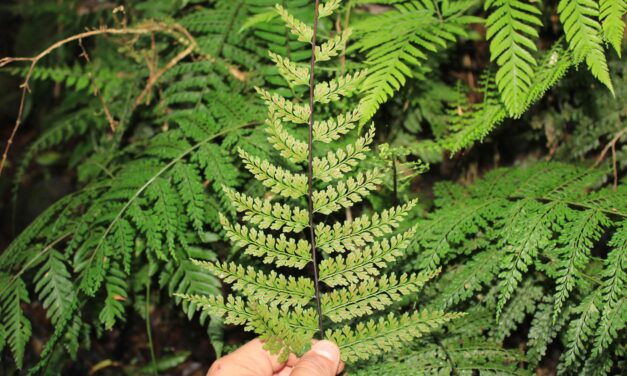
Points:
point(323, 359)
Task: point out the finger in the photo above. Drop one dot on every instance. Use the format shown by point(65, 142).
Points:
point(287, 371)
point(322, 360)
point(249, 360)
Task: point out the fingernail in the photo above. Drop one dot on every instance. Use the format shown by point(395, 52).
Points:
point(328, 350)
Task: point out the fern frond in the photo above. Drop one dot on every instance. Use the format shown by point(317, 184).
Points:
point(16, 327)
point(294, 74)
point(116, 294)
point(287, 145)
point(397, 41)
point(281, 251)
point(527, 232)
point(330, 91)
point(580, 330)
point(54, 286)
point(345, 193)
point(371, 295)
point(465, 283)
point(303, 32)
point(510, 28)
point(583, 33)
point(279, 180)
point(611, 14)
point(332, 47)
point(613, 291)
point(331, 129)
point(362, 264)
point(273, 288)
point(285, 109)
point(339, 162)
point(265, 214)
point(543, 330)
point(350, 235)
point(578, 238)
point(386, 333)
point(191, 191)
point(524, 302)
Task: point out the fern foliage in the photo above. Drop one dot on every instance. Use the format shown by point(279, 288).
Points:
point(511, 31)
point(528, 239)
point(281, 308)
point(584, 34)
point(398, 42)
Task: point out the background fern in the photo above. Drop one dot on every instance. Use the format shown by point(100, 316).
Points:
point(527, 238)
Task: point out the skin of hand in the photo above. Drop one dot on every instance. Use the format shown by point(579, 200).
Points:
point(323, 359)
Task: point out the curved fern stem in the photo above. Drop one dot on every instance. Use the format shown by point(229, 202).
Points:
point(310, 205)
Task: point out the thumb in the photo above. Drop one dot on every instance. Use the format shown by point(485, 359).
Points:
point(322, 360)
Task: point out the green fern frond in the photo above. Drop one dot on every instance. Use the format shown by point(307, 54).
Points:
point(579, 330)
point(611, 14)
point(265, 214)
point(510, 29)
point(371, 295)
point(350, 235)
point(345, 193)
point(578, 238)
point(273, 288)
point(364, 263)
point(54, 286)
point(279, 180)
point(338, 163)
point(584, 35)
point(116, 294)
point(281, 251)
point(614, 307)
point(16, 327)
point(399, 40)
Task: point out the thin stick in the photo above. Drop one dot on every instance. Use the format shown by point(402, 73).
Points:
point(105, 108)
point(179, 32)
point(312, 233)
point(609, 145)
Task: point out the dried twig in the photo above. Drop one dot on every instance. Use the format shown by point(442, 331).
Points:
point(146, 28)
point(105, 108)
point(611, 146)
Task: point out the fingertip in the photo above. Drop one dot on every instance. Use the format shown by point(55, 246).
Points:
point(328, 350)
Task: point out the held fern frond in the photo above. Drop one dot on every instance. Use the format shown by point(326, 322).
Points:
point(287, 311)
